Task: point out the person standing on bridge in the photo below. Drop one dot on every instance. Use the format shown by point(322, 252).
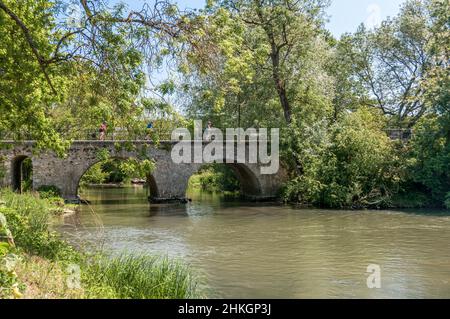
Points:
point(102, 131)
point(149, 131)
point(208, 132)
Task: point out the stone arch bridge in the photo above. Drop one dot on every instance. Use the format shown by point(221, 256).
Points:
point(168, 182)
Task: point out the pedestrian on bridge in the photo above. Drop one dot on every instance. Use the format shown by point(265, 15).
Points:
point(102, 131)
point(208, 133)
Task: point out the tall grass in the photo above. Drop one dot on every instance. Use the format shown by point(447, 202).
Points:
point(145, 277)
point(28, 218)
point(29, 206)
point(128, 276)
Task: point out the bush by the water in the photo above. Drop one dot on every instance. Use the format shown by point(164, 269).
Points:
point(48, 191)
point(429, 159)
point(351, 163)
point(28, 218)
point(215, 178)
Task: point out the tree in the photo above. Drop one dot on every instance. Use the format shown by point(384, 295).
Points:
point(351, 163)
point(286, 29)
point(277, 40)
point(60, 75)
point(29, 70)
point(392, 61)
point(429, 156)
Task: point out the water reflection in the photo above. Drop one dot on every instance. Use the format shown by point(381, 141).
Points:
point(258, 251)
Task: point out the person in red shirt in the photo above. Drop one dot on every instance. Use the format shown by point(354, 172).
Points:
point(102, 131)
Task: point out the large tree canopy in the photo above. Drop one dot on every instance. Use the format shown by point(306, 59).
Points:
point(61, 74)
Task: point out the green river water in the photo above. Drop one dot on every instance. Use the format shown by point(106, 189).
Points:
point(248, 250)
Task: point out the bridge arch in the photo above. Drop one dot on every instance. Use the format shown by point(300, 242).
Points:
point(151, 182)
point(250, 184)
point(19, 172)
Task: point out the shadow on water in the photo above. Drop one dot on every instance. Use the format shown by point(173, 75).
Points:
point(168, 210)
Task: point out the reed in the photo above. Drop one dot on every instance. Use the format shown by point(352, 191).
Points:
point(144, 277)
point(126, 276)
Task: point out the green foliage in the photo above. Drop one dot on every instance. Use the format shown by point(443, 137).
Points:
point(26, 94)
point(352, 163)
point(393, 60)
point(215, 178)
point(411, 197)
point(48, 191)
point(5, 235)
point(447, 201)
point(272, 64)
point(429, 158)
point(118, 171)
point(4, 248)
point(28, 218)
point(103, 154)
point(141, 277)
point(95, 175)
point(10, 286)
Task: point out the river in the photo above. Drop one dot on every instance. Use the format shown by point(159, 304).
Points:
point(248, 250)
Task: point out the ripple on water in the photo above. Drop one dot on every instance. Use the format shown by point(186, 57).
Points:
point(255, 251)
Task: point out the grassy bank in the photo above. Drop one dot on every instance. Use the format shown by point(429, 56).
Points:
point(36, 263)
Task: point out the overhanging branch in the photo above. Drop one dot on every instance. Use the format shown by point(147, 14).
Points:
point(28, 37)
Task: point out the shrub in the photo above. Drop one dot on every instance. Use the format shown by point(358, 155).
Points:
point(9, 285)
point(28, 219)
point(429, 159)
point(352, 163)
point(411, 198)
point(215, 178)
point(48, 191)
point(94, 175)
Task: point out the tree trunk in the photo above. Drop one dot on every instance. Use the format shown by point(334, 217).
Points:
point(280, 84)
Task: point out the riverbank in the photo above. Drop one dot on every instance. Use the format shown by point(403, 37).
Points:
point(36, 263)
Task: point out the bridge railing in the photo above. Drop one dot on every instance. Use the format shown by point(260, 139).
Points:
point(122, 135)
point(158, 135)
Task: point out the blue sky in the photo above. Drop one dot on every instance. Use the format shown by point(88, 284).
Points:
point(345, 15)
